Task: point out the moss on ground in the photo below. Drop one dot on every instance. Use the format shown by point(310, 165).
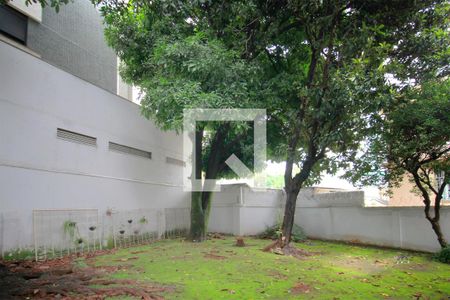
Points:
point(217, 269)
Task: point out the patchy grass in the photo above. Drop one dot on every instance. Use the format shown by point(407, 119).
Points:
point(217, 269)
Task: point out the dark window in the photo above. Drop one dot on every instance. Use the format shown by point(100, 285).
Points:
point(13, 24)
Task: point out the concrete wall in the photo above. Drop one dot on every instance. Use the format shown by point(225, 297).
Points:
point(32, 10)
point(73, 40)
point(402, 227)
point(39, 170)
point(239, 210)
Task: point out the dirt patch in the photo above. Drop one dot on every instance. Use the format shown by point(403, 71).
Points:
point(300, 288)
point(277, 275)
point(415, 267)
point(127, 258)
point(363, 264)
point(138, 252)
point(289, 250)
point(216, 235)
point(63, 279)
point(212, 255)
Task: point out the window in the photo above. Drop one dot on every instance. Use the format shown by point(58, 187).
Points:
point(76, 137)
point(129, 150)
point(13, 24)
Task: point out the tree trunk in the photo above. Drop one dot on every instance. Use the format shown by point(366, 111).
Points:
point(201, 200)
point(434, 221)
point(289, 213)
point(198, 220)
point(200, 209)
point(437, 229)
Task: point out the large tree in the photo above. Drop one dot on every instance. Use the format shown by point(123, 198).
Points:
point(319, 69)
point(411, 140)
point(329, 66)
point(178, 65)
point(414, 141)
point(324, 68)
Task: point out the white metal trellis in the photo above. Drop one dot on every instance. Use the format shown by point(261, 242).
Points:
point(177, 222)
point(58, 232)
point(135, 227)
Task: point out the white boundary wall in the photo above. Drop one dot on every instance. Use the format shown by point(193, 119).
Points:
point(40, 171)
point(239, 210)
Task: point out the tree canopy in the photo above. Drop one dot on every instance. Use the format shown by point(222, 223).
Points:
point(331, 73)
point(321, 68)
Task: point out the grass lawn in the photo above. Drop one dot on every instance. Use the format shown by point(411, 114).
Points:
point(217, 269)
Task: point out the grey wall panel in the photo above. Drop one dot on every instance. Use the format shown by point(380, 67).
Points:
point(73, 40)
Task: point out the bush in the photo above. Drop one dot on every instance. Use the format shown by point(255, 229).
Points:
point(443, 255)
point(274, 232)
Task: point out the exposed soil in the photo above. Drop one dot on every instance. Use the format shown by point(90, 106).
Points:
point(287, 250)
point(212, 255)
point(300, 288)
point(277, 275)
point(62, 279)
point(216, 235)
point(363, 264)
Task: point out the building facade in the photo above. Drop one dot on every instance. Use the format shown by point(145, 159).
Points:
point(71, 39)
point(67, 140)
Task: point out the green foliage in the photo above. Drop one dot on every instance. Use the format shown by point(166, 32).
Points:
point(274, 232)
point(19, 254)
point(443, 255)
point(179, 64)
point(414, 136)
point(319, 67)
point(56, 4)
point(275, 181)
point(70, 228)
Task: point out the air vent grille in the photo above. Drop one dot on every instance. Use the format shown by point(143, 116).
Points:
point(175, 161)
point(129, 150)
point(76, 137)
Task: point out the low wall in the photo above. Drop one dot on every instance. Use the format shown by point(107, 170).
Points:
point(342, 216)
point(239, 210)
point(402, 227)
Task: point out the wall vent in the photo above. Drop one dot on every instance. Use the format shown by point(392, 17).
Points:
point(76, 137)
point(129, 150)
point(171, 160)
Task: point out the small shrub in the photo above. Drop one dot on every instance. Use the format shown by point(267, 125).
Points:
point(443, 255)
point(274, 232)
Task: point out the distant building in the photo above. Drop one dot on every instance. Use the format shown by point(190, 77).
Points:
point(406, 194)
